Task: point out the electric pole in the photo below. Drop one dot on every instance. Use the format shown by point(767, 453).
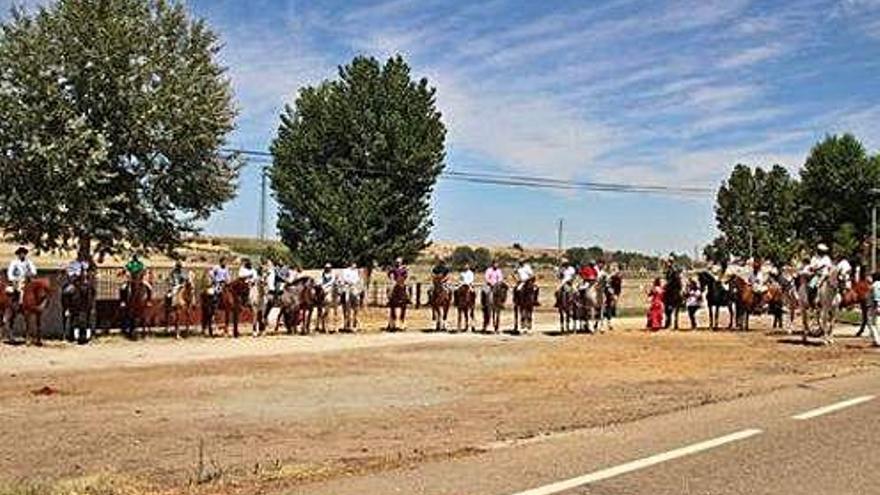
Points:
point(559, 240)
point(262, 229)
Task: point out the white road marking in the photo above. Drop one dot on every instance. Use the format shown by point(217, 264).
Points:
point(631, 466)
point(833, 407)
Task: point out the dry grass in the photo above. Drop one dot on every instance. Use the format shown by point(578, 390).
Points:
point(101, 484)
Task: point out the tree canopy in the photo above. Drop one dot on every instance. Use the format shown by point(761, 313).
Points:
point(113, 117)
point(354, 164)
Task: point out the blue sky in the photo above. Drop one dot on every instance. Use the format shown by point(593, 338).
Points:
point(620, 91)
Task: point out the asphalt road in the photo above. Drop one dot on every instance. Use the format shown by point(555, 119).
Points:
point(787, 442)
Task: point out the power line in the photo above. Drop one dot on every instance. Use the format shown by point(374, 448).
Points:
point(514, 180)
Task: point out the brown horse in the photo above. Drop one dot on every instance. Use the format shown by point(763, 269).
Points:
point(398, 298)
point(33, 301)
point(441, 299)
point(492, 300)
point(465, 300)
point(179, 304)
point(858, 295)
point(136, 302)
point(745, 301)
point(324, 304)
point(567, 302)
point(297, 303)
point(524, 302)
point(233, 298)
point(77, 303)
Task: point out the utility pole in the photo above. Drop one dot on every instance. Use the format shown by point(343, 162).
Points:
point(262, 229)
point(559, 240)
point(874, 194)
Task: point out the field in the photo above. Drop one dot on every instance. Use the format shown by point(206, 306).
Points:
point(274, 414)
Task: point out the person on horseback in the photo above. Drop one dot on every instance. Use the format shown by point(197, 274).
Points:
point(819, 268)
point(134, 270)
point(758, 280)
point(177, 277)
point(466, 277)
point(20, 271)
point(844, 271)
point(218, 276)
point(398, 273)
point(440, 275)
point(77, 268)
point(524, 275)
point(249, 274)
point(565, 274)
point(589, 274)
point(350, 276)
point(270, 277)
point(328, 278)
point(493, 276)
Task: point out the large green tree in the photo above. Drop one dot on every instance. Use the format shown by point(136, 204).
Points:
point(836, 188)
point(756, 211)
point(112, 118)
point(354, 165)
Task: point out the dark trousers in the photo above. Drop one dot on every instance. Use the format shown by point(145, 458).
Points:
point(692, 314)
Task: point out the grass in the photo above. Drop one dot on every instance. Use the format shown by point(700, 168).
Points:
point(102, 484)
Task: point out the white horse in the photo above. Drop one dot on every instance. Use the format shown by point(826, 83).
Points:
point(350, 296)
point(593, 303)
point(825, 308)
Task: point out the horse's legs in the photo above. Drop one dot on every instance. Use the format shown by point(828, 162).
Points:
point(516, 317)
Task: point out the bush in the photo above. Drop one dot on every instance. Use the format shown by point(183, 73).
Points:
point(463, 255)
point(482, 258)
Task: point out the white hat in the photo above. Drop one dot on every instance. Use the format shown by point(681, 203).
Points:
point(822, 247)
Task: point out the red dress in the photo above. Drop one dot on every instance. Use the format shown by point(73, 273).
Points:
point(655, 310)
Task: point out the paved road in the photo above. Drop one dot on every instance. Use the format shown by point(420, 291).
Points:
point(749, 446)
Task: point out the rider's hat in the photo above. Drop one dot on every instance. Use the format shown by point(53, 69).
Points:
point(21, 250)
point(328, 265)
point(822, 247)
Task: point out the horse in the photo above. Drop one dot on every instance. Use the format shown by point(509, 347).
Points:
point(326, 299)
point(858, 295)
point(613, 290)
point(825, 307)
point(673, 298)
point(492, 300)
point(350, 298)
point(232, 297)
point(135, 302)
point(441, 299)
point(398, 298)
point(567, 307)
point(297, 301)
point(465, 300)
point(591, 305)
point(180, 304)
point(775, 299)
point(5, 307)
point(33, 299)
point(524, 302)
point(77, 304)
point(717, 297)
point(745, 302)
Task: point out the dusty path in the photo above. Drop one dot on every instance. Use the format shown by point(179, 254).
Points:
point(278, 412)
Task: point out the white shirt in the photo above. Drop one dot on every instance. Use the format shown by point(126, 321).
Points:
point(821, 264)
point(467, 277)
point(844, 267)
point(269, 277)
point(77, 268)
point(328, 279)
point(351, 276)
point(567, 274)
point(292, 275)
point(219, 274)
point(248, 274)
point(19, 270)
point(524, 272)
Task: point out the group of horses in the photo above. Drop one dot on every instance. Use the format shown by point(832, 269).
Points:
point(788, 293)
point(584, 308)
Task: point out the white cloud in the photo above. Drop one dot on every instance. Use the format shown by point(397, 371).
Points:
point(752, 56)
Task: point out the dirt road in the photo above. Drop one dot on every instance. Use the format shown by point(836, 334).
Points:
point(272, 413)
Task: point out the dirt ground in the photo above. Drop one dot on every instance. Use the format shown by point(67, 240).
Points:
point(266, 414)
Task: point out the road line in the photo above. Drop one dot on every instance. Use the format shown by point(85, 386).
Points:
point(833, 407)
point(631, 466)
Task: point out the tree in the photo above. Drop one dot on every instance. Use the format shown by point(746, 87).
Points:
point(461, 256)
point(355, 162)
point(482, 258)
point(846, 242)
point(756, 212)
point(114, 113)
point(719, 251)
point(837, 180)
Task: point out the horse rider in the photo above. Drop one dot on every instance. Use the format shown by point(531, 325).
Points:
point(249, 274)
point(350, 276)
point(328, 278)
point(565, 274)
point(270, 276)
point(524, 274)
point(20, 271)
point(589, 274)
point(177, 277)
point(77, 268)
point(218, 277)
point(439, 274)
point(758, 280)
point(134, 270)
point(466, 277)
point(398, 273)
point(844, 272)
point(819, 268)
point(493, 276)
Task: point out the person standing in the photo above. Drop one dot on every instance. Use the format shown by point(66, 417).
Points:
point(874, 308)
point(655, 306)
point(694, 301)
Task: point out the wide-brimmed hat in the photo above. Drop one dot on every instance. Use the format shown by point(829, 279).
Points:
point(21, 250)
point(328, 265)
point(822, 247)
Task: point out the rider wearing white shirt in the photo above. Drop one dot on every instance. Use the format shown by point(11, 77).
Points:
point(524, 273)
point(219, 276)
point(350, 275)
point(248, 273)
point(19, 271)
point(844, 271)
point(467, 276)
point(328, 278)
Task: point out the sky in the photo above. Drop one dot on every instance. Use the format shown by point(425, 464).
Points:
point(624, 91)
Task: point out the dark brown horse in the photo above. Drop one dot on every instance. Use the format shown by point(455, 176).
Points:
point(525, 300)
point(465, 299)
point(398, 298)
point(567, 304)
point(136, 303)
point(441, 299)
point(297, 303)
point(33, 301)
point(859, 295)
point(492, 300)
point(5, 312)
point(673, 297)
point(745, 302)
point(77, 304)
point(717, 297)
